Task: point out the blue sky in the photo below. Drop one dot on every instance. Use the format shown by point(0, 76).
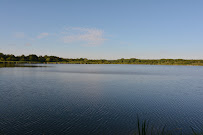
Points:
point(109, 29)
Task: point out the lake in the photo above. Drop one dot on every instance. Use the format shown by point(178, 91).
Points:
point(99, 99)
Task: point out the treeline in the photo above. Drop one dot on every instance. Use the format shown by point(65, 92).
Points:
point(54, 59)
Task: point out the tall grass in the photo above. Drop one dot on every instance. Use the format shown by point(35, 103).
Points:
point(144, 128)
point(195, 132)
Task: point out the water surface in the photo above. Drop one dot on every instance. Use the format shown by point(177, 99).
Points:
point(99, 99)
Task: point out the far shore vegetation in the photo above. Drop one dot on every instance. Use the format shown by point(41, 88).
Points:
point(32, 58)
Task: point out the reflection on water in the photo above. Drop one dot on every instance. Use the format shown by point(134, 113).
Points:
point(6, 65)
point(99, 99)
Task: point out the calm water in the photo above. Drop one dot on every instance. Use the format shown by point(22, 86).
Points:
point(99, 99)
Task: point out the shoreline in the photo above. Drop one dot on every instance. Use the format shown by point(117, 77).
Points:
point(34, 62)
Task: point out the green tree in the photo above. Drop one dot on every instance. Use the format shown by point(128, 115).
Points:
point(33, 57)
point(48, 60)
point(2, 59)
point(41, 59)
point(22, 58)
point(11, 58)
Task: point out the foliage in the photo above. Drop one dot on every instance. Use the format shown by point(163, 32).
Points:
point(54, 59)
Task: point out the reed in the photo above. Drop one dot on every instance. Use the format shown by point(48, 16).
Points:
point(144, 128)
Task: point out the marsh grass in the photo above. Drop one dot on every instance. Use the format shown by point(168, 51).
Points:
point(144, 128)
point(195, 132)
point(1, 133)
